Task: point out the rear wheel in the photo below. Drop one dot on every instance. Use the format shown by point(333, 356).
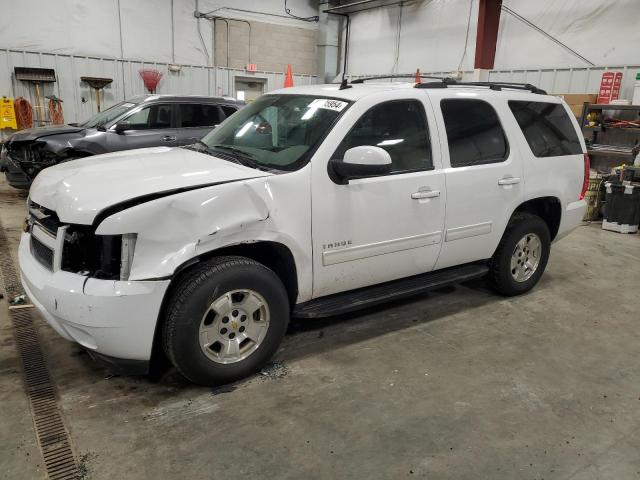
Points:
point(224, 320)
point(521, 256)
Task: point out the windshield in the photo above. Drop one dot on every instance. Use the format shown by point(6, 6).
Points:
point(276, 131)
point(108, 115)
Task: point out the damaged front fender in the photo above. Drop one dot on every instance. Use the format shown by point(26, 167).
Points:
point(173, 230)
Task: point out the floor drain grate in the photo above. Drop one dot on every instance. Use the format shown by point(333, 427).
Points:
point(51, 431)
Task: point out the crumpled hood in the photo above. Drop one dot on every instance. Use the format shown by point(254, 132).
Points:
point(80, 189)
point(31, 134)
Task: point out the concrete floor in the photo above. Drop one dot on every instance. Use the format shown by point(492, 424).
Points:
point(456, 384)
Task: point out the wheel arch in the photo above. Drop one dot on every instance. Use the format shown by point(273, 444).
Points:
point(549, 208)
point(274, 255)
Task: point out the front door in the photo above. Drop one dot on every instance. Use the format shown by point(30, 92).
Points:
point(247, 90)
point(380, 228)
point(150, 126)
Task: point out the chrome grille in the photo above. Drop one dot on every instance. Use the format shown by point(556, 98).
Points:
point(42, 253)
point(44, 217)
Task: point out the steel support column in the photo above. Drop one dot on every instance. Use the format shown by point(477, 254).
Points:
point(487, 35)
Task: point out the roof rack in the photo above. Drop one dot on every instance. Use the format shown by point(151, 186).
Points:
point(399, 75)
point(451, 82)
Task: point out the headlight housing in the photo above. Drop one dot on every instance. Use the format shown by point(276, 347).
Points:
point(86, 253)
point(126, 254)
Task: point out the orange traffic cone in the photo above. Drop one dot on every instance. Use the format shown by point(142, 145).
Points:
point(418, 80)
point(288, 78)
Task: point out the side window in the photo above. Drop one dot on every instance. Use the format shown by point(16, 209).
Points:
point(152, 117)
point(228, 111)
point(199, 115)
point(547, 128)
point(400, 127)
point(474, 133)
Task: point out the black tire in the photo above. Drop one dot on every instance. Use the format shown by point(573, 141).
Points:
point(191, 298)
point(500, 274)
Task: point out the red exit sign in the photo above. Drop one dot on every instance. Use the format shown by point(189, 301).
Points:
point(252, 67)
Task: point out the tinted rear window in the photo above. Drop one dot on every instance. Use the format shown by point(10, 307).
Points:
point(547, 128)
point(474, 133)
point(199, 115)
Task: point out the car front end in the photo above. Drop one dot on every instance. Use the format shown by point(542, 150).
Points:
point(76, 255)
point(77, 280)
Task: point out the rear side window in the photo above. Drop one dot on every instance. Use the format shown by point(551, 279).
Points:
point(474, 133)
point(228, 111)
point(152, 117)
point(547, 128)
point(199, 115)
point(400, 128)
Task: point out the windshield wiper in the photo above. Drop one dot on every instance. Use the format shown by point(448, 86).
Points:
point(234, 150)
point(244, 158)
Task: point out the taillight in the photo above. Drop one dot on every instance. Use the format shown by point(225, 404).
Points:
point(585, 182)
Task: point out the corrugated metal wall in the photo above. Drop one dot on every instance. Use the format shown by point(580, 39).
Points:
point(79, 101)
point(557, 80)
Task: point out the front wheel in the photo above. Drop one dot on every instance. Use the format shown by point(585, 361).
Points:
point(224, 320)
point(521, 256)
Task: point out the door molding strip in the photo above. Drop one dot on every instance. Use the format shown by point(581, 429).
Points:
point(467, 231)
point(357, 252)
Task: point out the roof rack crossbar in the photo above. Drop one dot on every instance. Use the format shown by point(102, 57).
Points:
point(399, 75)
point(491, 85)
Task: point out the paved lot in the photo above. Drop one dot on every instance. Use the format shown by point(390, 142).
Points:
point(456, 384)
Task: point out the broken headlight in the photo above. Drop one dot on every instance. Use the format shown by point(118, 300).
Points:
point(86, 253)
point(126, 254)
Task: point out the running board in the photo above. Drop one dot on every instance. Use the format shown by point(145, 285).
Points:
point(365, 297)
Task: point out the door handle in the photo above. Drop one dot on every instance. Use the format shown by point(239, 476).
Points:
point(169, 138)
point(425, 194)
point(509, 181)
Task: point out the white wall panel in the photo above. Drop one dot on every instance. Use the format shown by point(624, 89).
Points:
point(79, 100)
point(92, 27)
point(432, 38)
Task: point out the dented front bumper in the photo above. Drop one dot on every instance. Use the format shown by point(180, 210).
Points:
point(108, 317)
point(16, 176)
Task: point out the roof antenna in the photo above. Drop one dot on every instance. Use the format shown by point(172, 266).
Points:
point(344, 84)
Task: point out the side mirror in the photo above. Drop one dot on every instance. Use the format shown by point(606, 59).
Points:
point(122, 127)
point(363, 161)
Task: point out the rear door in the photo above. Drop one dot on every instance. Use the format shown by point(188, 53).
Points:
point(195, 120)
point(149, 126)
point(484, 173)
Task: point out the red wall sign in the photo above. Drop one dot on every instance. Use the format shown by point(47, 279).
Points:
point(251, 67)
point(609, 87)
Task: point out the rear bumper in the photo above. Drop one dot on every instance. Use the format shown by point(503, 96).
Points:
point(571, 218)
point(110, 318)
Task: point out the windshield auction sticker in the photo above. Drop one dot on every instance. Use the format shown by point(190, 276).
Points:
point(328, 104)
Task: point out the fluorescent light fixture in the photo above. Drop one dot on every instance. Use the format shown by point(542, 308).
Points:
point(244, 129)
point(309, 113)
point(386, 143)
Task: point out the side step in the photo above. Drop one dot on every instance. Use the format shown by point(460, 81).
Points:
point(365, 297)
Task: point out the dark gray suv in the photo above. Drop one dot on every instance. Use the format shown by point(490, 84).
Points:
point(144, 121)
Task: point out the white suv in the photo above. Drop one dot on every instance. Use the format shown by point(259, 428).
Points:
point(310, 201)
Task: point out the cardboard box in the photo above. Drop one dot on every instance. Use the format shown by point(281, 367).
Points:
point(576, 101)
